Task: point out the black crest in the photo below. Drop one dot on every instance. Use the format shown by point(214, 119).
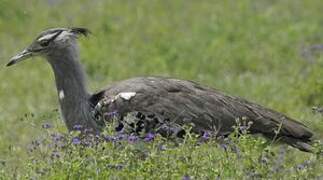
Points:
point(79, 30)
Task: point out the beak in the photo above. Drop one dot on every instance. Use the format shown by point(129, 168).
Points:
point(25, 54)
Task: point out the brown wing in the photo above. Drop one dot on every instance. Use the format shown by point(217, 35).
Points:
point(183, 102)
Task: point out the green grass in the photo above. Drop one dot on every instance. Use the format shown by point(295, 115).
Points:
point(252, 49)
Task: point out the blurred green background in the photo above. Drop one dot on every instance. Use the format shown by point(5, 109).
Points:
point(265, 51)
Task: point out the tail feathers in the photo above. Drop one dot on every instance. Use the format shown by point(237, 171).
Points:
point(297, 130)
point(301, 144)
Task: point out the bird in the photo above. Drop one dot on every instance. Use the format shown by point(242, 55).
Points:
point(152, 104)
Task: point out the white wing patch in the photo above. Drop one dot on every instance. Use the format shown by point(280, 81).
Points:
point(126, 95)
point(107, 100)
point(61, 95)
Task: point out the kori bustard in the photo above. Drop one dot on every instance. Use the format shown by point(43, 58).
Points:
point(159, 104)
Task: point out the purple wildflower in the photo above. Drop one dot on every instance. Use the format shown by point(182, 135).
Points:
point(55, 154)
point(35, 144)
point(120, 137)
point(56, 137)
point(149, 137)
point(76, 140)
point(108, 138)
point(132, 139)
point(58, 140)
point(110, 115)
point(186, 177)
point(46, 126)
point(206, 135)
point(162, 147)
point(77, 127)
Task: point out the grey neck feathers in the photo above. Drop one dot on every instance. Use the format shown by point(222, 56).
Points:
point(71, 87)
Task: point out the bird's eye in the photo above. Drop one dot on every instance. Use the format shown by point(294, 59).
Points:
point(44, 43)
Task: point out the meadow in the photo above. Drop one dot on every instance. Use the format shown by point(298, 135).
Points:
point(267, 51)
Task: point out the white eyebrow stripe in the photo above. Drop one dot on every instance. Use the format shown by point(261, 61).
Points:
point(47, 36)
point(63, 35)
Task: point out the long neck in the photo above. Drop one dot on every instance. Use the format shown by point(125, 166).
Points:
point(71, 87)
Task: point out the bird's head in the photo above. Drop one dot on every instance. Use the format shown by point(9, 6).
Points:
point(50, 42)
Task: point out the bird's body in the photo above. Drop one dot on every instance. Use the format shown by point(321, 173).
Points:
point(159, 103)
point(178, 102)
